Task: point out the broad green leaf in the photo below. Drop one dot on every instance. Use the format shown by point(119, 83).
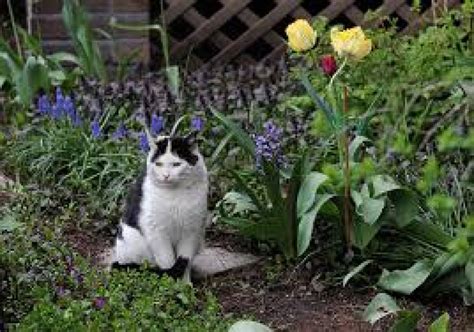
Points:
point(406, 321)
point(241, 202)
point(441, 324)
point(35, 75)
point(383, 184)
point(363, 232)
point(370, 209)
point(249, 326)
point(355, 271)
point(406, 206)
point(406, 281)
point(242, 185)
point(355, 145)
point(306, 224)
point(8, 223)
point(172, 74)
point(240, 135)
point(307, 192)
point(64, 57)
point(57, 76)
point(380, 306)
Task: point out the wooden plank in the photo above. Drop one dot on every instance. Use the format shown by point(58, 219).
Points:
point(176, 8)
point(335, 8)
point(427, 17)
point(249, 18)
point(210, 25)
point(354, 14)
point(250, 36)
point(300, 12)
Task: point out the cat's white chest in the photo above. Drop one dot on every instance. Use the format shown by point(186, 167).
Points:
point(176, 212)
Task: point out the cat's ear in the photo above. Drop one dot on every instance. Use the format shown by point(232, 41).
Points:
point(191, 139)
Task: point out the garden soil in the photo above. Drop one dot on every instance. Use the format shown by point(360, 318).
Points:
point(291, 299)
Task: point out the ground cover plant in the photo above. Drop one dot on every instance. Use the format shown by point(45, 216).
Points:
point(348, 165)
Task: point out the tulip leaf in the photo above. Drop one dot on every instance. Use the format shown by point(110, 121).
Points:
point(380, 306)
point(383, 184)
point(406, 281)
point(355, 145)
point(406, 321)
point(355, 271)
point(441, 324)
point(307, 192)
point(305, 227)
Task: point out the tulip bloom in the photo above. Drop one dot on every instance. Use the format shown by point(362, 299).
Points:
point(328, 65)
point(301, 36)
point(351, 43)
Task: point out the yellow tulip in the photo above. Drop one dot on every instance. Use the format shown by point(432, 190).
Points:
point(301, 36)
point(350, 43)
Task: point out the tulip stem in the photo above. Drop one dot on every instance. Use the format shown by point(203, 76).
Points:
point(339, 70)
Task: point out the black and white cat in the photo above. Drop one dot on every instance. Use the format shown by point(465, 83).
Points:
point(166, 212)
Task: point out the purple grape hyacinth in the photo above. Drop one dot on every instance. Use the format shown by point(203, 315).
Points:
point(143, 142)
point(99, 302)
point(268, 146)
point(120, 132)
point(44, 105)
point(157, 124)
point(95, 129)
point(197, 123)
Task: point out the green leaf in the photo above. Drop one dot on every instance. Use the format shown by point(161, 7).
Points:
point(383, 184)
point(307, 192)
point(8, 223)
point(406, 281)
point(405, 204)
point(249, 326)
point(368, 208)
point(355, 145)
point(380, 306)
point(469, 270)
point(328, 111)
point(172, 74)
point(355, 271)
point(441, 324)
point(64, 57)
point(241, 202)
point(406, 321)
point(305, 226)
point(364, 232)
point(243, 139)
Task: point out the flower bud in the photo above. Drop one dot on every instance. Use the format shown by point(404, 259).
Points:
point(328, 64)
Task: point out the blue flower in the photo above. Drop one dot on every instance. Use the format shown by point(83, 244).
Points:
point(55, 112)
point(143, 142)
point(268, 145)
point(60, 102)
point(99, 302)
point(157, 124)
point(197, 123)
point(44, 105)
point(95, 129)
point(120, 132)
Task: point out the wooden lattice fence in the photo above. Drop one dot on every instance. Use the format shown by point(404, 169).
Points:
point(250, 31)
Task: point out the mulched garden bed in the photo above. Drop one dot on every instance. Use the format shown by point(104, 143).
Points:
point(290, 302)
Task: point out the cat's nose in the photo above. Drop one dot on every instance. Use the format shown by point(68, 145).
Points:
point(166, 176)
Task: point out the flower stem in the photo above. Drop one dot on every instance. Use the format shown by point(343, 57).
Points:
point(347, 178)
point(339, 70)
point(15, 32)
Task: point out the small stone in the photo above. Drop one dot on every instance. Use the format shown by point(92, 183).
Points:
point(317, 285)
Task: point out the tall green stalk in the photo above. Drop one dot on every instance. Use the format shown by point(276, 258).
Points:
point(15, 32)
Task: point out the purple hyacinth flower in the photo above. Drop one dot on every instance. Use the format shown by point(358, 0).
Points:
point(60, 102)
point(95, 129)
point(268, 145)
point(157, 124)
point(197, 123)
point(55, 112)
point(99, 302)
point(69, 108)
point(143, 142)
point(120, 132)
point(44, 105)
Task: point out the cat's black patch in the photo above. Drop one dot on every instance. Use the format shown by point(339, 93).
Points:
point(176, 271)
point(160, 149)
point(120, 232)
point(132, 207)
point(182, 146)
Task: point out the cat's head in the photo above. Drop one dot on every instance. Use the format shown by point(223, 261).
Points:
point(174, 159)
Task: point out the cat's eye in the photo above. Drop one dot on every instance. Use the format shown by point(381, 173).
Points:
point(176, 164)
point(159, 164)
